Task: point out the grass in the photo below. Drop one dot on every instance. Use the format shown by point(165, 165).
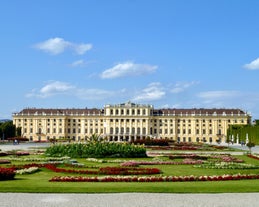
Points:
point(38, 182)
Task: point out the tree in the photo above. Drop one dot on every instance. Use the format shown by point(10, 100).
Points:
point(7, 129)
point(250, 145)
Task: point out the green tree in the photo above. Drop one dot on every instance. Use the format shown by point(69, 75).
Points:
point(250, 145)
point(8, 130)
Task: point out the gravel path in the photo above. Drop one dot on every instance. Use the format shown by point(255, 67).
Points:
point(129, 200)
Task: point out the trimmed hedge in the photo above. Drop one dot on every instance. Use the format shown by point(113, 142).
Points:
point(96, 149)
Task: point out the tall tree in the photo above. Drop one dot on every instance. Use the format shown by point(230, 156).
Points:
point(7, 130)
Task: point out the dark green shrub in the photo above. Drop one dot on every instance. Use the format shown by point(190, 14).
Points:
point(96, 149)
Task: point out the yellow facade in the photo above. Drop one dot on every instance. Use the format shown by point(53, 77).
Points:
point(128, 122)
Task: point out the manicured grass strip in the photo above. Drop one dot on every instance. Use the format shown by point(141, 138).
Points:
point(39, 186)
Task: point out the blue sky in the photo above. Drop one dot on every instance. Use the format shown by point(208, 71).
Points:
point(168, 53)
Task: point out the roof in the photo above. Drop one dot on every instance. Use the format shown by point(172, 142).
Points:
point(41, 111)
point(199, 111)
point(156, 112)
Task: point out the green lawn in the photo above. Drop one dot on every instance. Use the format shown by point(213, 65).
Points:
point(38, 184)
point(39, 181)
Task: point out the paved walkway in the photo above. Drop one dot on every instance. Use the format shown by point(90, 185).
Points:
point(22, 146)
point(129, 200)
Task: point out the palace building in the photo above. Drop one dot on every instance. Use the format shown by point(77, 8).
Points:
point(128, 122)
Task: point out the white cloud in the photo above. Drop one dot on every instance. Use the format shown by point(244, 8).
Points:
point(182, 86)
point(54, 88)
point(50, 89)
point(153, 91)
point(218, 94)
point(82, 48)
point(128, 69)
point(78, 63)
point(58, 45)
point(254, 65)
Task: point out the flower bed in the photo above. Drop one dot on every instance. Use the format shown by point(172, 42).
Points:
point(192, 156)
point(227, 165)
point(4, 161)
point(253, 156)
point(227, 158)
point(7, 173)
point(22, 153)
point(184, 162)
point(38, 159)
point(107, 170)
point(154, 178)
point(2, 154)
point(29, 170)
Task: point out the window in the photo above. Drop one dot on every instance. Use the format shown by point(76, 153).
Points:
point(144, 130)
point(219, 131)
